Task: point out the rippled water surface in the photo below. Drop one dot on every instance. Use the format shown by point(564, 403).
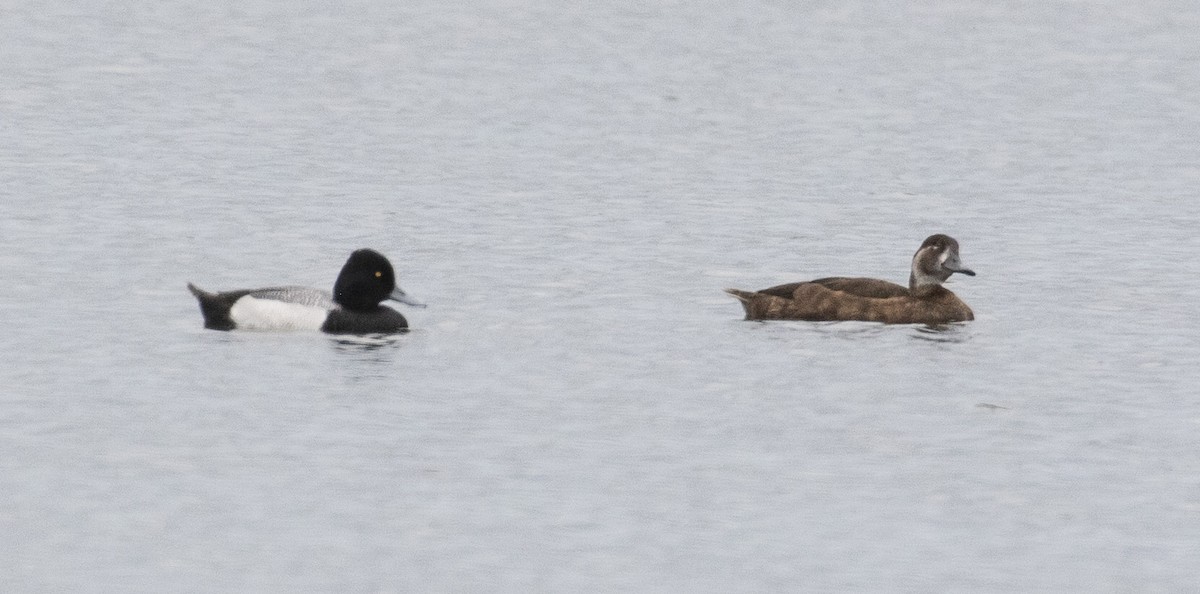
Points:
point(581, 408)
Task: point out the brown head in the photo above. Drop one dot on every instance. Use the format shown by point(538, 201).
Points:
point(934, 262)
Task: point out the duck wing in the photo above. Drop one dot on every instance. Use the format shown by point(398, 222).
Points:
point(784, 291)
point(860, 287)
point(863, 287)
point(815, 301)
point(298, 295)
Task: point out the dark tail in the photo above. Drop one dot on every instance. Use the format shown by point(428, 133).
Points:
point(214, 307)
point(740, 295)
point(744, 297)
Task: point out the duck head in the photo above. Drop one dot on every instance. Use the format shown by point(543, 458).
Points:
point(367, 279)
point(935, 261)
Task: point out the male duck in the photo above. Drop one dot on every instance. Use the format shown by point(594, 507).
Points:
point(352, 308)
point(924, 301)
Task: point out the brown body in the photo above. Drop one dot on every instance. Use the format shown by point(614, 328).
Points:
point(924, 301)
point(816, 302)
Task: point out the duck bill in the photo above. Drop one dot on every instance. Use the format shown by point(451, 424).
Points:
point(959, 268)
point(399, 295)
point(954, 265)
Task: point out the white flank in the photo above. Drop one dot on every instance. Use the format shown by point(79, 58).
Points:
point(268, 314)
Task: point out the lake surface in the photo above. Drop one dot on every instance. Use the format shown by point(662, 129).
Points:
point(580, 408)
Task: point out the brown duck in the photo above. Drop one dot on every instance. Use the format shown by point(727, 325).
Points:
point(924, 301)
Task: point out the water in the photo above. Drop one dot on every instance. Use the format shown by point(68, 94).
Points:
point(581, 407)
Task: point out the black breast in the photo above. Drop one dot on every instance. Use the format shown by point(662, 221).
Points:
point(383, 320)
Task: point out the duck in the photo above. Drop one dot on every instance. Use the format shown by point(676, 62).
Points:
point(353, 307)
point(923, 301)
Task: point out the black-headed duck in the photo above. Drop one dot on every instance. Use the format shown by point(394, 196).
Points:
point(924, 301)
point(353, 307)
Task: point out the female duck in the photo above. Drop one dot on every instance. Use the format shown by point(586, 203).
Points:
point(924, 301)
point(352, 308)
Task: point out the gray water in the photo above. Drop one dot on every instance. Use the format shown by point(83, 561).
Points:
point(581, 408)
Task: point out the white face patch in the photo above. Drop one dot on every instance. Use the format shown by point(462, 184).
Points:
point(268, 314)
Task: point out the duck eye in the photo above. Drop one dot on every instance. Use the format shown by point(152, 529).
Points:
point(378, 274)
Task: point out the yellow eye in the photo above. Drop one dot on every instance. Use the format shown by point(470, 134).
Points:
point(378, 274)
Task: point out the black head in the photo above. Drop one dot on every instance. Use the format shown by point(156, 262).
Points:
point(365, 280)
